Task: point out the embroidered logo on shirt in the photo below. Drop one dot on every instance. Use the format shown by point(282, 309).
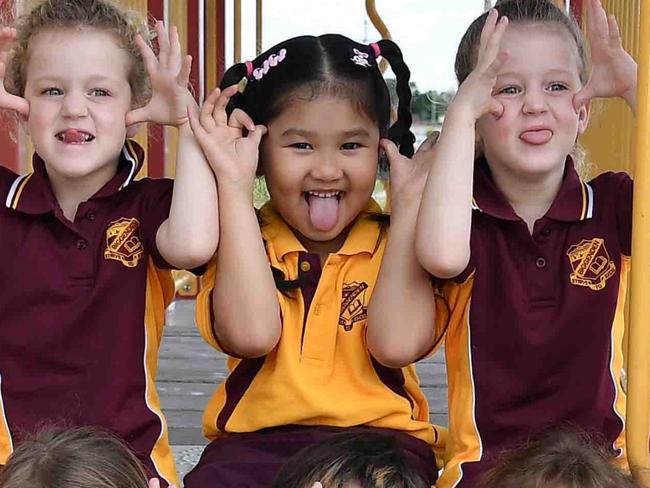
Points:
point(591, 264)
point(353, 304)
point(123, 243)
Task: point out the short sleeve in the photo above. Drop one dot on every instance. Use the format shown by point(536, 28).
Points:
point(204, 310)
point(157, 194)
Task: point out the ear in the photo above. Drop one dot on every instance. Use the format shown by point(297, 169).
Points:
point(132, 130)
point(583, 117)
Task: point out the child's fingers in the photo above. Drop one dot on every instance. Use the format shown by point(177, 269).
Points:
point(175, 55)
point(148, 56)
point(257, 134)
point(614, 32)
point(430, 142)
point(154, 483)
point(219, 111)
point(496, 108)
point(205, 117)
point(390, 149)
point(495, 66)
point(488, 29)
point(318, 484)
point(240, 119)
point(583, 97)
point(183, 77)
point(492, 49)
point(197, 127)
point(163, 42)
point(137, 115)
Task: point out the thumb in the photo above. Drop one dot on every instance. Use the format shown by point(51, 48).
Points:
point(390, 149)
point(318, 484)
point(154, 483)
point(582, 97)
point(257, 134)
point(137, 115)
point(496, 108)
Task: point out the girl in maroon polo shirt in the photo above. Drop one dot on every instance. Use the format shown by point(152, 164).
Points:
point(532, 259)
point(85, 247)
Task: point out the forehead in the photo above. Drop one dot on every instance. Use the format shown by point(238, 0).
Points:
point(534, 47)
point(324, 115)
point(75, 51)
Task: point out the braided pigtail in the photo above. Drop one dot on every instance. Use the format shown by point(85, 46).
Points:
point(400, 132)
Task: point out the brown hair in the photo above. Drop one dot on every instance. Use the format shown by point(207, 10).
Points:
point(543, 12)
point(75, 458)
point(82, 14)
point(561, 459)
point(369, 459)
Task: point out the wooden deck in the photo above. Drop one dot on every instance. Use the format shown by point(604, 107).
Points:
point(189, 370)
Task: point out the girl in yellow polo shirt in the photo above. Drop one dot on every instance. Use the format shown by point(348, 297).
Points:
point(287, 293)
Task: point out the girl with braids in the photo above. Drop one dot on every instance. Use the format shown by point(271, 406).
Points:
point(287, 293)
point(535, 259)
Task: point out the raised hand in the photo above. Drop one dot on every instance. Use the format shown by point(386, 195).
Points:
point(7, 100)
point(169, 75)
point(613, 69)
point(232, 155)
point(408, 176)
point(475, 93)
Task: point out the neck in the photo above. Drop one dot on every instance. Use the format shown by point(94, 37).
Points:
point(323, 248)
point(70, 192)
point(532, 197)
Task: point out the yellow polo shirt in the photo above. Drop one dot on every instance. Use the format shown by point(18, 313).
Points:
point(320, 372)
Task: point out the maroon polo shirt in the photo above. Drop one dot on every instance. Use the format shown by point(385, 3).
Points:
point(537, 321)
point(82, 309)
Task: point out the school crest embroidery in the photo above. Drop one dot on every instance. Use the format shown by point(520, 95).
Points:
point(591, 264)
point(353, 304)
point(123, 243)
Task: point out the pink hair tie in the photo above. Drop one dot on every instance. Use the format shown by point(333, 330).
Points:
point(249, 69)
point(375, 47)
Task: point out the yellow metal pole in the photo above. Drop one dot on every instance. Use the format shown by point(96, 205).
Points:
point(638, 400)
point(258, 28)
point(371, 10)
point(237, 41)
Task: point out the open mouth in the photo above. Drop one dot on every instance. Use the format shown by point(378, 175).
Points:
point(536, 137)
point(323, 208)
point(75, 136)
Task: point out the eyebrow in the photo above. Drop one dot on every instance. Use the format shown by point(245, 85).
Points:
point(514, 74)
point(356, 132)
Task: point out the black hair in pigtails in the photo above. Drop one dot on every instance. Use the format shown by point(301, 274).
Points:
point(400, 131)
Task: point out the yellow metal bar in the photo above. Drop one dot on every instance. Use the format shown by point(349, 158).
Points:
point(237, 30)
point(371, 10)
point(258, 28)
point(638, 400)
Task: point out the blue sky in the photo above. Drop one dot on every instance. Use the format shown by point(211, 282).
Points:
point(428, 31)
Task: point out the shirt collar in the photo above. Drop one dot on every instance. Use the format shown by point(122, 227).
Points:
point(363, 237)
point(573, 202)
point(31, 193)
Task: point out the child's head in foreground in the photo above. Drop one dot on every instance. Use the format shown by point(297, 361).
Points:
point(78, 65)
point(558, 460)
point(546, 65)
point(326, 106)
point(75, 458)
point(350, 460)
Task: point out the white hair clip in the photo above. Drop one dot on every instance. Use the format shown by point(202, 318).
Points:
point(360, 58)
point(272, 61)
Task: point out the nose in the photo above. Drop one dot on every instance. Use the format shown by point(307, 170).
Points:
point(534, 102)
point(327, 168)
point(74, 104)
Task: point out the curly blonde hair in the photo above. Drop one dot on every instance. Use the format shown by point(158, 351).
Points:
point(125, 25)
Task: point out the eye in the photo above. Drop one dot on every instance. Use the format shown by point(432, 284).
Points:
point(52, 92)
point(301, 145)
point(350, 146)
point(509, 90)
point(99, 92)
point(557, 86)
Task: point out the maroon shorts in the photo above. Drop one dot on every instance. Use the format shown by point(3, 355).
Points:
point(253, 459)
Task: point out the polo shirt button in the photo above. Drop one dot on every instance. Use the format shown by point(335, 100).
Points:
point(540, 263)
point(305, 266)
point(546, 231)
point(90, 215)
point(81, 244)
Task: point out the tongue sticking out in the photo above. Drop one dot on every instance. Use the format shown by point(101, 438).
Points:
point(536, 137)
point(73, 136)
point(323, 212)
